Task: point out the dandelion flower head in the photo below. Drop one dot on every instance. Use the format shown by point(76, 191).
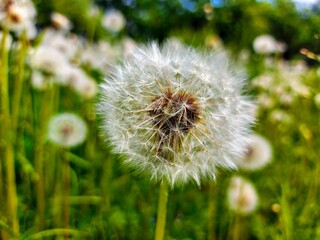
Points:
point(258, 154)
point(67, 130)
point(113, 21)
point(175, 113)
point(18, 16)
point(267, 44)
point(242, 196)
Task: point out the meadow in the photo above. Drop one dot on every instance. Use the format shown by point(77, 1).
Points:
point(60, 176)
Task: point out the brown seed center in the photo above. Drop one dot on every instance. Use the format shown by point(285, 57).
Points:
point(174, 115)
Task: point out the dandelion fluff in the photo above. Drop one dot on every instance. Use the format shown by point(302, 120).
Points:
point(67, 130)
point(242, 196)
point(176, 114)
point(258, 153)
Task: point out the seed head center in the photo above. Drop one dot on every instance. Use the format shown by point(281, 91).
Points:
point(173, 116)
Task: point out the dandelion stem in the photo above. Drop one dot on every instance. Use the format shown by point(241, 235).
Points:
point(162, 211)
point(16, 102)
point(44, 114)
point(7, 138)
point(236, 227)
point(211, 211)
point(66, 186)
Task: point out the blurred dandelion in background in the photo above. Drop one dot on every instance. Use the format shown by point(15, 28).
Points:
point(258, 154)
point(113, 21)
point(242, 196)
point(60, 22)
point(18, 16)
point(67, 130)
point(266, 44)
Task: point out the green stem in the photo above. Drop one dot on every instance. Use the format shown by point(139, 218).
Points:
point(18, 84)
point(236, 228)
point(58, 232)
point(162, 211)
point(45, 112)
point(211, 211)
point(66, 186)
point(7, 138)
point(286, 215)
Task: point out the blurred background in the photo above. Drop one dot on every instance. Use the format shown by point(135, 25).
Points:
point(58, 176)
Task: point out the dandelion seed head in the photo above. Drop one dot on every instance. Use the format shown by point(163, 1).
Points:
point(113, 21)
point(266, 44)
point(258, 154)
point(176, 114)
point(51, 62)
point(60, 22)
point(242, 196)
point(18, 16)
point(67, 130)
point(81, 83)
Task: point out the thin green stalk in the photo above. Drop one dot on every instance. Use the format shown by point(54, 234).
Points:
point(106, 184)
point(211, 211)
point(58, 232)
point(162, 211)
point(66, 185)
point(236, 228)
point(286, 216)
point(44, 114)
point(18, 83)
point(7, 138)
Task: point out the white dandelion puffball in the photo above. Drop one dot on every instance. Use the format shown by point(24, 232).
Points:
point(265, 44)
point(60, 21)
point(67, 130)
point(175, 113)
point(18, 16)
point(242, 196)
point(259, 153)
point(113, 21)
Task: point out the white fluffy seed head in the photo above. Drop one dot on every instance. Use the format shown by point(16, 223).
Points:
point(60, 22)
point(81, 83)
point(18, 16)
point(258, 154)
point(67, 130)
point(51, 62)
point(113, 21)
point(242, 196)
point(265, 44)
point(176, 114)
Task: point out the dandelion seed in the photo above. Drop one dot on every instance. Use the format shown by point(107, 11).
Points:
point(113, 21)
point(242, 196)
point(67, 130)
point(258, 153)
point(99, 55)
point(176, 114)
point(67, 45)
point(39, 81)
point(18, 16)
point(60, 22)
point(265, 44)
point(81, 83)
point(51, 62)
